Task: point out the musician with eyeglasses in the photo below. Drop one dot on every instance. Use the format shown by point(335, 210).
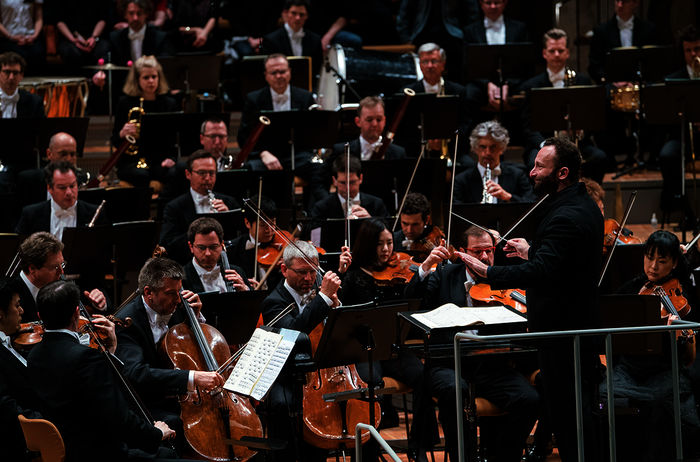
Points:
point(204, 273)
point(183, 210)
point(63, 209)
point(41, 262)
point(213, 136)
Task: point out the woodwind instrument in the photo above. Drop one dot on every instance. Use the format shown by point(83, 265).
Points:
point(97, 214)
point(486, 198)
point(445, 143)
point(394, 125)
point(250, 142)
point(212, 198)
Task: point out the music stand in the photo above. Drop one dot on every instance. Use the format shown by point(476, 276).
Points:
point(19, 145)
point(333, 231)
point(234, 314)
point(349, 337)
point(9, 246)
point(132, 244)
point(231, 221)
point(196, 71)
point(121, 204)
point(626, 263)
point(571, 108)
point(95, 263)
point(629, 311)
point(75, 126)
point(244, 183)
point(629, 64)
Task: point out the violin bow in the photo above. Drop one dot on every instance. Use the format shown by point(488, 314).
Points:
point(408, 188)
point(628, 208)
point(257, 231)
point(452, 191)
point(348, 205)
point(279, 255)
point(266, 220)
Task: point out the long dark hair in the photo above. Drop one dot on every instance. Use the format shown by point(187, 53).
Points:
point(364, 251)
point(666, 244)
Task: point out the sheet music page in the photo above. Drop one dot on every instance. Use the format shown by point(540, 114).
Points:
point(261, 362)
point(450, 315)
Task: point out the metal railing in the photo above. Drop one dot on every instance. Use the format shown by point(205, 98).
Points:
point(373, 434)
point(576, 337)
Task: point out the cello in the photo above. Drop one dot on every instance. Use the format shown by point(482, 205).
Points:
point(211, 420)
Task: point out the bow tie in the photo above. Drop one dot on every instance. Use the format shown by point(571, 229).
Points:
point(65, 213)
point(84, 339)
point(211, 276)
point(6, 99)
point(280, 99)
point(625, 25)
point(496, 171)
point(298, 35)
point(163, 319)
point(137, 35)
point(490, 24)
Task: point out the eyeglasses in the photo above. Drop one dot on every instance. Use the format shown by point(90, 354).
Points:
point(204, 248)
point(58, 268)
point(479, 250)
point(9, 72)
point(434, 62)
point(305, 272)
point(280, 72)
point(205, 172)
point(215, 137)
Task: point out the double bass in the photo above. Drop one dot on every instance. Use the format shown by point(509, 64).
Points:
point(211, 419)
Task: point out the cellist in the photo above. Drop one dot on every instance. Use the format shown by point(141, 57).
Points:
point(312, 303)
point(157, 308)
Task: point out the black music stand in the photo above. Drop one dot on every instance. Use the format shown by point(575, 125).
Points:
point(626, 263)
point(349, 337)
point(173, 133)
point(9, 246)
point(244, 183)
point(571, 108)
point(75, 126)
point(132, 244)
point(231, 221)
point(234, 314)
point(628, 64)
point(95, 263)
point(121, 204)
point(333, 231)
point(196, 71)
point(630, 311)
point(676, 102)
point(19, 146)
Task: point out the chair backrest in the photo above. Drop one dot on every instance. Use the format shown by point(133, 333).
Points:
point(43, 436)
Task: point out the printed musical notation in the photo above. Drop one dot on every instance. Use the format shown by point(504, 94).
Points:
point(451, 315)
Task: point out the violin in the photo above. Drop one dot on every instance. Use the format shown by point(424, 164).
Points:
point(84, 327)
point(672, 300)
point(28, 335)
point(399, 270)
point(331, 425)
point(211, 420)
point(514, 298)
point(270, 253)
point(612, 230)
point(424, 245)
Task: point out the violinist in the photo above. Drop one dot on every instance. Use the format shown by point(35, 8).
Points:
point(183, 210)
point(364, 282)
point(496, 380)
point(16, 394)
point(203, 273)
point(646, 380)
point(312, 302)
point(80, 393)
point(612, 227)
point(41, 262)
point(417, 236)
point(157, 308)
point(243, 250)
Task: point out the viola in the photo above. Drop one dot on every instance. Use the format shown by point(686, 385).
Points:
point(612, 229)
point(399, 270)
point(211, 420)
point(331, 425)
point(672, 299)
point(28, 335)
point(514, 298)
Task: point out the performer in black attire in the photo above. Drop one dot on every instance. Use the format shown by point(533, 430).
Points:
point(78, 390)
point(145, 80)
point(418, 235)
point(564, 259)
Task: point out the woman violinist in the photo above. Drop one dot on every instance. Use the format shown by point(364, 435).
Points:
point(145, 92)
point(370, 278)
point(646, 380)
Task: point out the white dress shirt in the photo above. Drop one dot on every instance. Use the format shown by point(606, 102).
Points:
point(213, 280)
point(282, 101)
point(557, 79)
point(691, 73)
point(435, 89)
point(84, 339)
point(626, 28)
point(495, 31)
point(8, 103)
point(62, 218)
point(367, 148)
point(353, 201)
point(201, 203)
point(136, 39)
point(7, 343)
point(295, 39)
point(34, 290)
point(298, 298)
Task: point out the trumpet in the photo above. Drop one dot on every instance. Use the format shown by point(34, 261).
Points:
point(135, 115)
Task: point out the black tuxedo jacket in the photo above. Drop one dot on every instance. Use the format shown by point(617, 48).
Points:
point(606, 36)
point(469, 187)
point(315, 312)
point(330, 207)
point(37, 217)
point(29, 105)
point(278, 42)
point(82, 396)
point(679, 74)
point(178, 214)
point(16, 397)
point(564, 258)
point(261, 100)
point(26, 300)
point(240, 257)
point(444, 285)
point(194, 283)
point(155, 42)
point(143, 365)
point(516, 31)
point(394, 151)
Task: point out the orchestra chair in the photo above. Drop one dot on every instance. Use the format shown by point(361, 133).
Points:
point(43, 437)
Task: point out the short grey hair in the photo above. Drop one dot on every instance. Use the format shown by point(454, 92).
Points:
point(491, 129)
point(430, 47)
point(305, 251)
point(157, 270)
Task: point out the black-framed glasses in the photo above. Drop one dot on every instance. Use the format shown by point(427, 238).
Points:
point(214, 136)
point(205, 172)
point(204, 248)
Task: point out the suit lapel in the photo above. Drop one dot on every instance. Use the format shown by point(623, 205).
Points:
point(476, 184)
point(265, 101)
point(45, 216)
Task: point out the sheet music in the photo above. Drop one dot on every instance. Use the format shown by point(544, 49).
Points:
point(450, 315)
point(261, 362)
